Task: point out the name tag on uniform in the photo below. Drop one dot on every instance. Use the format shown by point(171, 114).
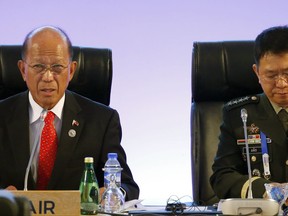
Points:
point(253, 150)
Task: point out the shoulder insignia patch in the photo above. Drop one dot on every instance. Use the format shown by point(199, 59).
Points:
point(241, 101)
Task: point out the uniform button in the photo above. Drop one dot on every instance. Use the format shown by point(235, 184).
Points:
point(256, 172)
point(253, 158)
point(254, 98)
point(287, 162)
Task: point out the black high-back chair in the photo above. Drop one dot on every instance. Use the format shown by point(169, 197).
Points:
point(92, 79)
point(221, 71)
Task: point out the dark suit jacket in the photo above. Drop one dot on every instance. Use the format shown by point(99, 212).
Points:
point(97, 134)
point(230, 165)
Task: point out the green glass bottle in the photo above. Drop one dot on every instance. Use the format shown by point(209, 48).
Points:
point(89, 189)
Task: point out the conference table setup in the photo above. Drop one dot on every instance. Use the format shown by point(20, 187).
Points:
point(67, 203)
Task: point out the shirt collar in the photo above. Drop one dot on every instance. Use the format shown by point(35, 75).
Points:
point(35, 110)
point(277, 108)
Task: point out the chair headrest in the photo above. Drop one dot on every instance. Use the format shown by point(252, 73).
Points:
point(223, 70)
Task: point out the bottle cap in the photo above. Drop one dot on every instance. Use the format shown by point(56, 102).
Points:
point(88, 160)
point(112, 155)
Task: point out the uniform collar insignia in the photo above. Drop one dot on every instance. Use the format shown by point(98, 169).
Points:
point(237, 101)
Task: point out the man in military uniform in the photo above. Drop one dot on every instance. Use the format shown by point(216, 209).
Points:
point(266, 130)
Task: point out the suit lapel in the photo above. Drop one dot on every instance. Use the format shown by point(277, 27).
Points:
point(18, 132)
point(72, 125)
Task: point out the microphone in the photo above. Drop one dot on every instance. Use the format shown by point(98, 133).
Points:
point(244, 117)
point(250, 206)
point(35, 145)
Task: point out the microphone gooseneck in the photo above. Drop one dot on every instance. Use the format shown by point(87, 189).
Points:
point(35, 145)
point(244, 117)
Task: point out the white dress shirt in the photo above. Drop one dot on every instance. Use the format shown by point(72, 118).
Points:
point(36, 123)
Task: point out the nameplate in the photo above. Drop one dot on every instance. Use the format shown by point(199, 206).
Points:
point(63, 202)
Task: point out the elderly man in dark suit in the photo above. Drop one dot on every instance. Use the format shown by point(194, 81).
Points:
point(83, 127)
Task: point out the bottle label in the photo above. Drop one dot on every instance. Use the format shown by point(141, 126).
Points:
point(107, 177)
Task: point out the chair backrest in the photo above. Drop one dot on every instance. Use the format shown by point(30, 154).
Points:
point(92, 79)
point(221, 71)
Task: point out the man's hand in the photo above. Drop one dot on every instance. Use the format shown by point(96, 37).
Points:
point(11, 187)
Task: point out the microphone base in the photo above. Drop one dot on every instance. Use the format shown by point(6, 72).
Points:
point(257, 206)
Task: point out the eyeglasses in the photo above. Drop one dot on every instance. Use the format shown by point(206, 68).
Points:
point(55, 69)
point(273, 77)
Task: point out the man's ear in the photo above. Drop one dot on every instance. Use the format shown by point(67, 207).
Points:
point(73, 66)
point(21, 66)
point(256, 71)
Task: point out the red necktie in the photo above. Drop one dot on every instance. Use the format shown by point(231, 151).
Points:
point(47, 154)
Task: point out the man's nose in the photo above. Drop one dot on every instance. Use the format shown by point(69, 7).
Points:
point(48, 75)
point(281, 82)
